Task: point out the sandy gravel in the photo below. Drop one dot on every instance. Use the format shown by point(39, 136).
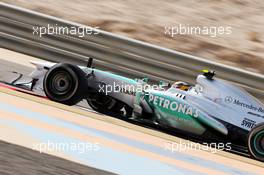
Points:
point(146, 20)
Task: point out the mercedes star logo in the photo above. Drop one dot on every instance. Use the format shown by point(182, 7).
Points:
point(228, 99)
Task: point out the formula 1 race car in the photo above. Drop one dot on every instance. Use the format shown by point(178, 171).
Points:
point(212, 108)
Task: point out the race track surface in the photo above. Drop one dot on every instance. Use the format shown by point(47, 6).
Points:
point(18, 160)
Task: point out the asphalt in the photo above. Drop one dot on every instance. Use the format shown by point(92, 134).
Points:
point(17, 160)
point(10, 66)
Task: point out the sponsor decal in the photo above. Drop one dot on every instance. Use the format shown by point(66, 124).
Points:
point(248, 123)
point(232, 100)
point(228, 99)
point(173, 105)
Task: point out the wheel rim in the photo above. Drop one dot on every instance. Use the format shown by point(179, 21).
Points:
point(259, 143)
point(61, 83)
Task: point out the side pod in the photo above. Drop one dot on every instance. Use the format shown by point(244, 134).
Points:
point(213, 123)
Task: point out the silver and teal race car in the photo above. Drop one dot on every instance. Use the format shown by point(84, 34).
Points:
point(212, 108)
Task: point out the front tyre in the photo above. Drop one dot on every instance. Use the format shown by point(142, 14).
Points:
point(256, 142)
point(65, 83)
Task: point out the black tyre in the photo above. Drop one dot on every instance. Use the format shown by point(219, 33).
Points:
point(105, 104)
point(256, 142)
point(65, 83)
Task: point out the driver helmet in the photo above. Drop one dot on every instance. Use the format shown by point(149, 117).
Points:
point(181, 85)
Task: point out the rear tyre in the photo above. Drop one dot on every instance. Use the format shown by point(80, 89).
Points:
point(256, 142)
point(105, 104)
point(65, 83)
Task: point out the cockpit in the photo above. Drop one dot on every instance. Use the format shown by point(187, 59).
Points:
point(181, 85)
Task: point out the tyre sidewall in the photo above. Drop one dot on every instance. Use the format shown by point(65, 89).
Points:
point(78, 81)
point(252, 134)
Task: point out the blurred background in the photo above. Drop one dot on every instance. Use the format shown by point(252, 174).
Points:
point(146, 20)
